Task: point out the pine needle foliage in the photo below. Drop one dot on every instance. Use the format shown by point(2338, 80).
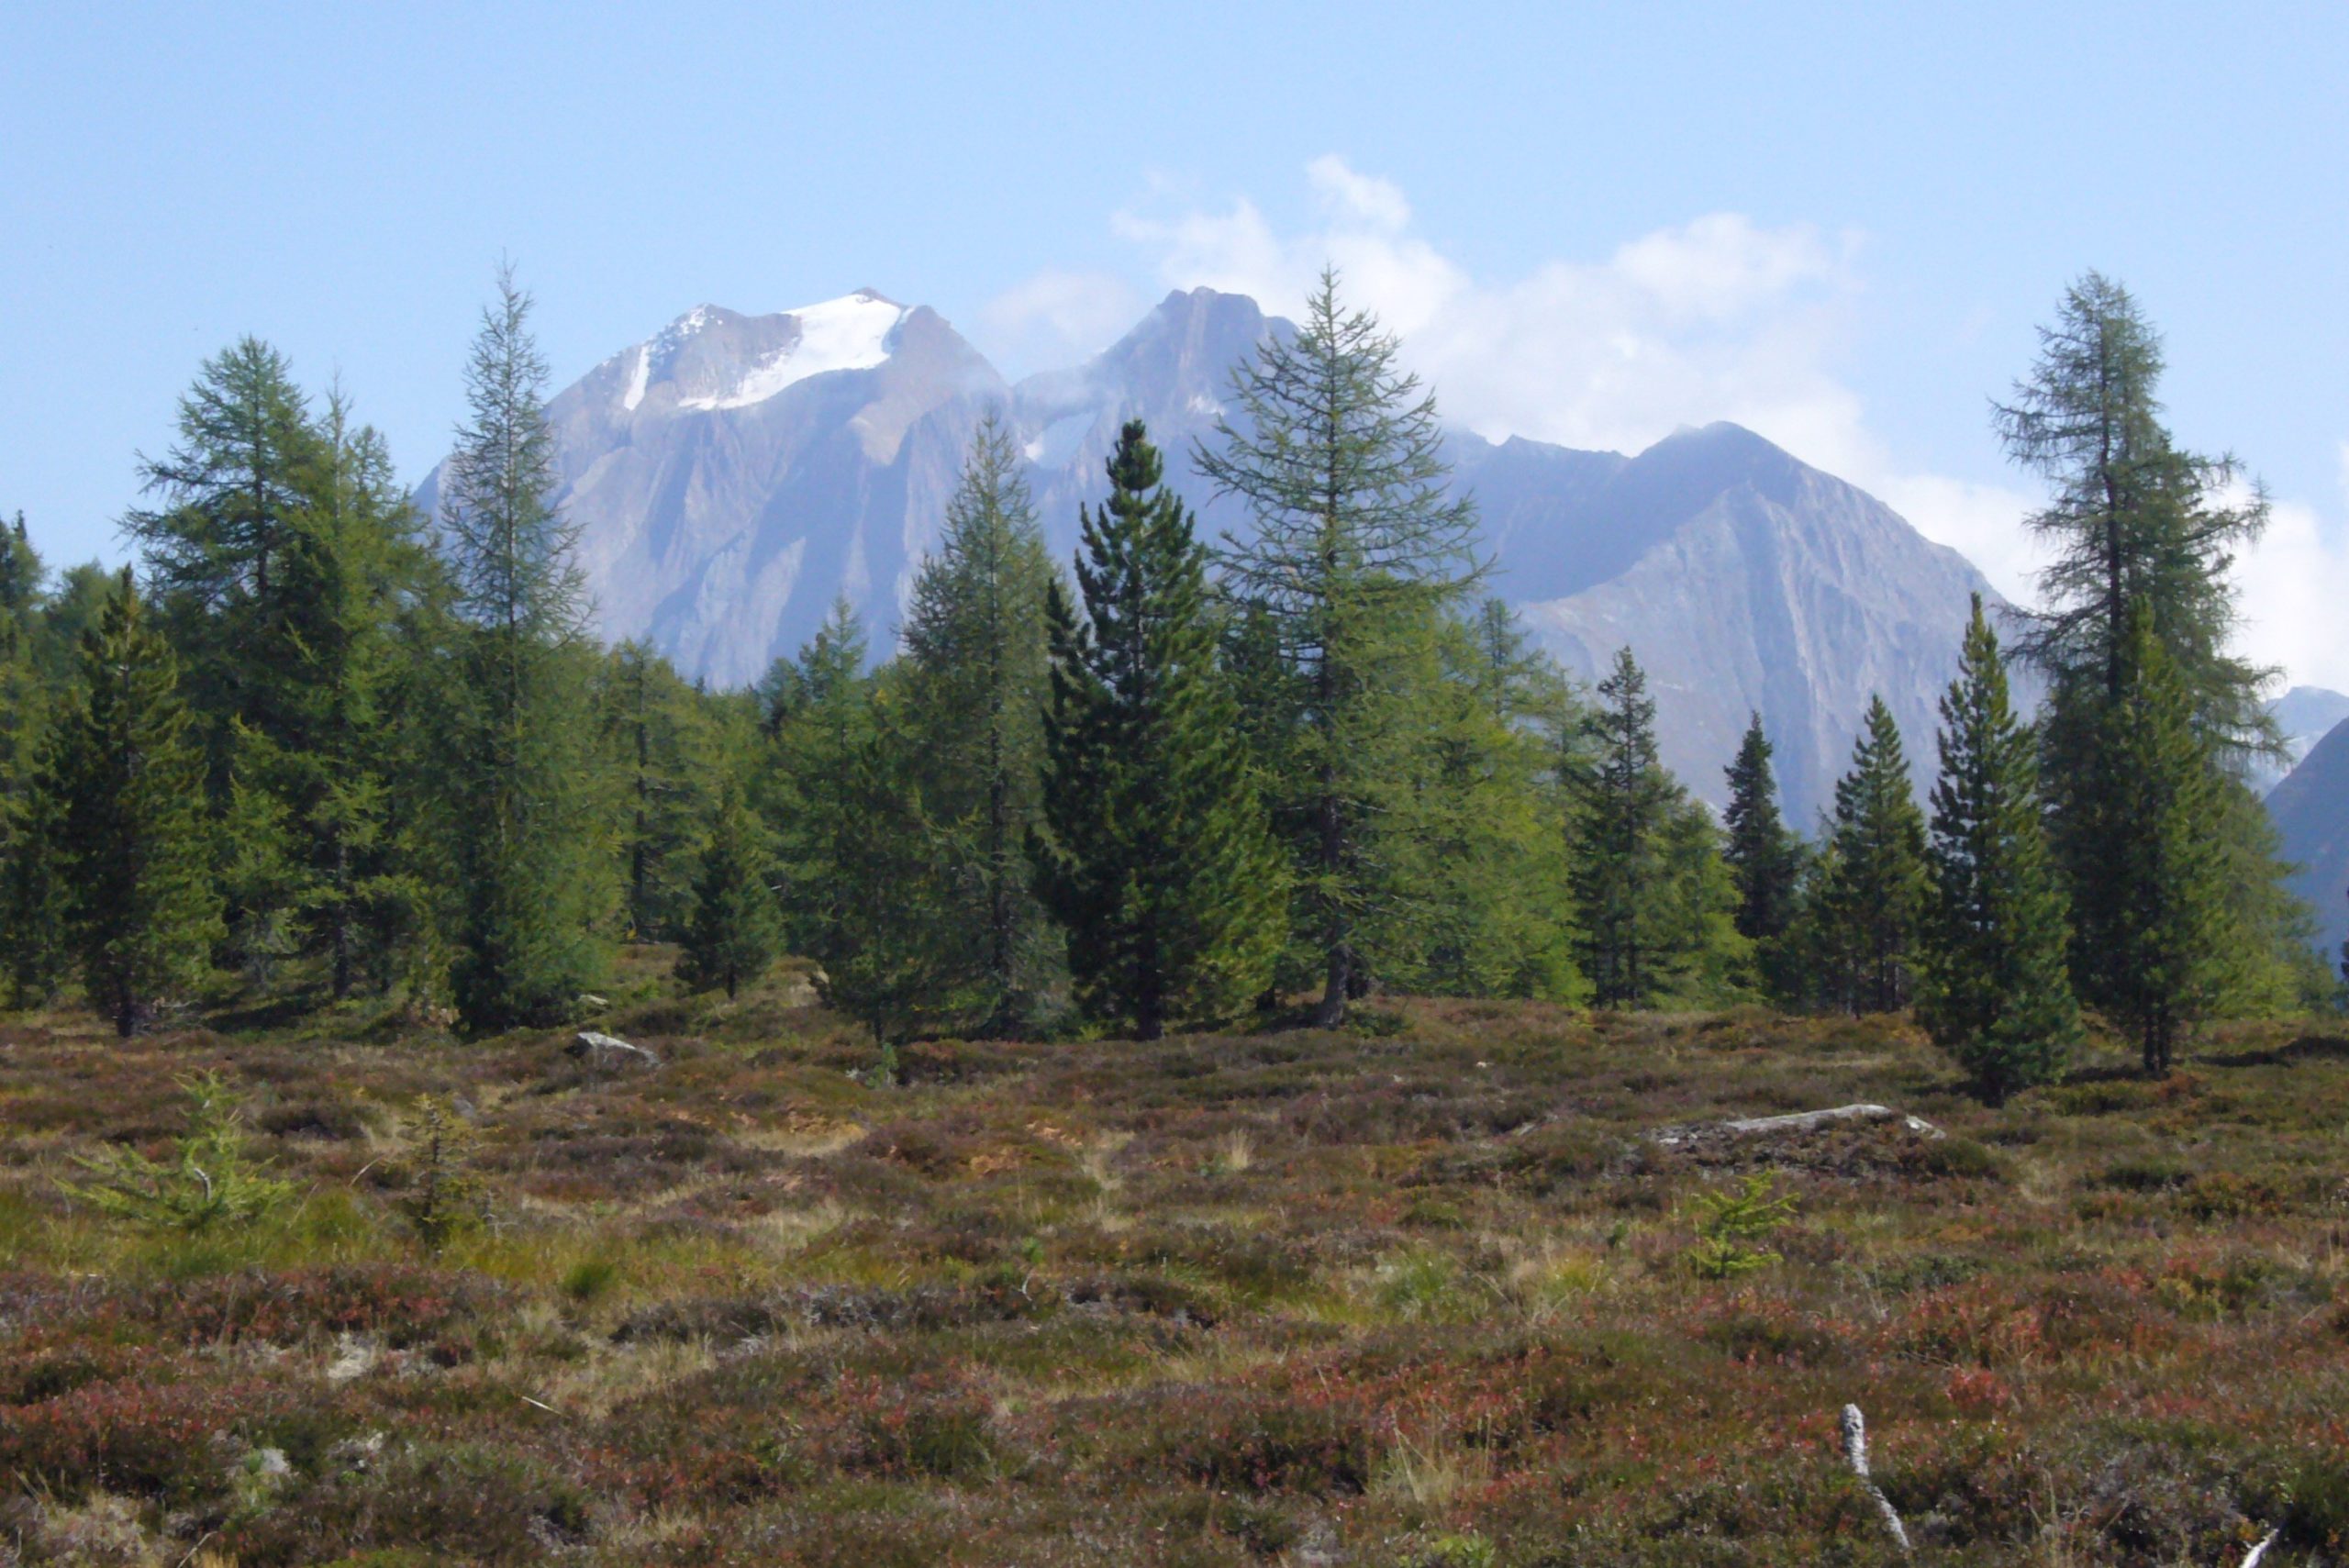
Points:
point(736, 932)
point(1993, 988)
point(138, 849)
point(1155, 856)
point(2152, 922)
point(1872, 895)
point(1337, 456)
point(210, 1179)
point(529, 882)
point(978, 671)
point(1764, 859)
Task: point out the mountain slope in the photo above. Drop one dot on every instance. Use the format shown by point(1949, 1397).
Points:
point(2310, 808)
point(733, 475)
point(2306, 715)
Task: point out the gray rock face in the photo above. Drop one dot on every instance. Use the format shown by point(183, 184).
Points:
point(1747, 582)
point(2310, 809)
point(733, 474)
point(2305, 715)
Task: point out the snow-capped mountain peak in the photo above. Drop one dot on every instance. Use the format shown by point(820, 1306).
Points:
point(855, 332)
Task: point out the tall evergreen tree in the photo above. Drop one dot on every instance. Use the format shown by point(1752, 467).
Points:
point(2152, 923)
point(2137, 522)
point(1619, 874)
point(1654, 901)
point(979, 669)
point(1874, 892)
point(663, 747)
point(1992, 985)
point(1764, 859)
point(737, 928)
point(529, 850)
point(1156, 858)
point(137, 859)
point(1337, 456)
point(233, 495)
point(1475, 899)
point(351, 561)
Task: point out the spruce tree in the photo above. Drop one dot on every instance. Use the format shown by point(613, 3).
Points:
point(1337, 456)
point(137, 851)
point(1155, 857)
point(1618, 877)
point(737, 928)
point(530, 873)
point(1764, 859)
point(978, 667)
point(1992, 986)
point(34, 910)
point(2152, 923)
point(1874, 889)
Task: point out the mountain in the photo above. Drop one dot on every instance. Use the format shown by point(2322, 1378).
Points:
point(2305, 715)
point(2310, 808)
point(733, 475)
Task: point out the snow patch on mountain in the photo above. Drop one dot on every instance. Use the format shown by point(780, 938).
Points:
point(852, 333)
point(639, 378)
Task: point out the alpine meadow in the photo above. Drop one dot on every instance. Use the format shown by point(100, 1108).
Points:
point(799, 951)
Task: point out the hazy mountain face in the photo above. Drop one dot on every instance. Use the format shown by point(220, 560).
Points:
point(2310, 808)
point(733, 474)
point(2306, 715)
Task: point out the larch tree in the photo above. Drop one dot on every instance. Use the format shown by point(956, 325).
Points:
point(1337, 456)
point(1992, 985)
point(137, 846)
point(978, 666)
point(530, 870)
point(2135, 521)
point(1155, 855)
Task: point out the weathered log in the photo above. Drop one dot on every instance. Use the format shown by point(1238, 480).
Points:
point(1799, 1122)
point(608, 1051)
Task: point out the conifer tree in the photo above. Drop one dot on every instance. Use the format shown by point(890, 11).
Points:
point(233, 492)
point(351, 562)
point(2152, 923)
point(979, 671)
point(1337, 456)
point(2137, 522)
point(1992, 986)
point(137, 851)
point(1618, 877)
point(1873, 893)
point(737, 926)
point(661, 740)
point(530, 870)
point(1764, 859)
point(35, 910)
point(1473, 899)
point(1155, 857)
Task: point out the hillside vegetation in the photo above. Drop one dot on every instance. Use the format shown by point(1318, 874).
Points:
point(1417, 1291)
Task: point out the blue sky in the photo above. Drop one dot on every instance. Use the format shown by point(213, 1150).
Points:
point(1839, 224)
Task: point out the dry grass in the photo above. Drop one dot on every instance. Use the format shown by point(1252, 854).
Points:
point(1421, 1299)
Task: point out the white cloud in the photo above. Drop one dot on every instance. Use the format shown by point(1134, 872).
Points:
point(1718, 318)
point(1349, 196)
point(2294, 583)
point(1057, 317)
